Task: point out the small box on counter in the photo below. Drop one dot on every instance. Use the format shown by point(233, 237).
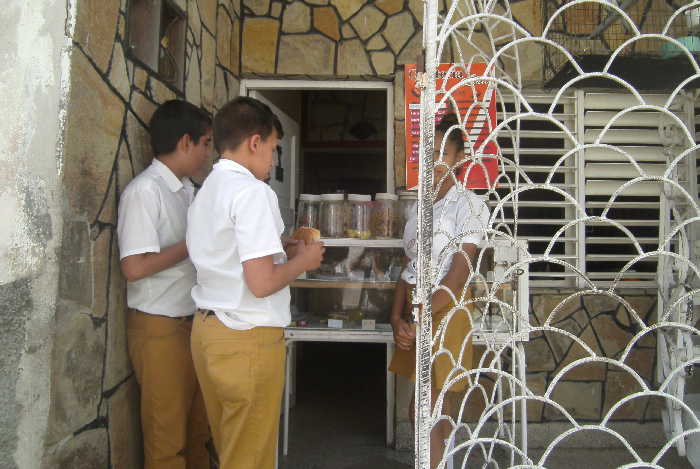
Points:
point(369, 324)
point(335, 323)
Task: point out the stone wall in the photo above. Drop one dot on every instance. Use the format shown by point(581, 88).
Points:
point(353, 39)
point(94, 419)
point(30, 233)
point(587, 391)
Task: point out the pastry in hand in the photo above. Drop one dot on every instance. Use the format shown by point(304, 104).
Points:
point(307, 234)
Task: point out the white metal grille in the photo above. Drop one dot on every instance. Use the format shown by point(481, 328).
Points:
point(613, 177)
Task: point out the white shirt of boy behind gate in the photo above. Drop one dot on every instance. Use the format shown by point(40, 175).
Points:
point(235, 218)
point(461, 216)
point(153, 215)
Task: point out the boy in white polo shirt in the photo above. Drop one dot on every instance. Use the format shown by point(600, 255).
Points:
point(151, 229)
point(243, 272)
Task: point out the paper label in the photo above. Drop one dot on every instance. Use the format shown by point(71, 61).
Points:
point(335, 323)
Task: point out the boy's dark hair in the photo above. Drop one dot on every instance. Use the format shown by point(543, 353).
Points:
point(456, 136)
point(174, 119)
point(241, 118)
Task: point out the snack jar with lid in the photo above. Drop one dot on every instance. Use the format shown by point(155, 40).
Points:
point(358, 216)
point(332, 215)
point(383, 216)
point(407, 201)
point(308, 211)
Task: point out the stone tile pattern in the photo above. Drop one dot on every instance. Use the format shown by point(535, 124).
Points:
point(347, 39)
point(335, 39)
point(589, 391)
point(94, 418)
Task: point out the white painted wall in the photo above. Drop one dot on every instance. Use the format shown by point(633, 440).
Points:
point(32, 48)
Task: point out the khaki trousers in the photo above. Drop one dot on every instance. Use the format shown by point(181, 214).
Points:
point(242, 379)
point(173, 417)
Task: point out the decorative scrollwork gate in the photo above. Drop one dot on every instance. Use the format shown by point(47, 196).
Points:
point(610, 207)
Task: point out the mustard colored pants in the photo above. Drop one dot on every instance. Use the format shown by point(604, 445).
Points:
point(453, 334)
point(173, 418)
point(242, 379)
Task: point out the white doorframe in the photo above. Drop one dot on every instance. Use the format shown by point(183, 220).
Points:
point(260, 84)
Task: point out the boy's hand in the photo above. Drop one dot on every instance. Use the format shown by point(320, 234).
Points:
point(404, 333)
point(310, 254)
point(290, 246)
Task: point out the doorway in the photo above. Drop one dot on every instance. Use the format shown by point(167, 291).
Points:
point(338, 138)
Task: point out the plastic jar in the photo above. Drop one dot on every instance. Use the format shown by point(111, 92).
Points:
point(407, 200)
point(358, 216)
point(332, 215)
point(308, 210)
point(383, 219)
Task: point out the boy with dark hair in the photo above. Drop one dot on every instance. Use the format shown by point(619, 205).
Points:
point(151, 231)
point(243, 272)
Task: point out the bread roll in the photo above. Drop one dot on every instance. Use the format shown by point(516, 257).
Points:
point(306, 234)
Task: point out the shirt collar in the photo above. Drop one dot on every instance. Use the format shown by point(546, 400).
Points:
point(173, 183)
point(451, 196)
point(230, 165)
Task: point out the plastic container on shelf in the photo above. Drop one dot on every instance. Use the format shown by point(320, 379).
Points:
point(332, 215)
point(359, 206)
point(383, 218)
point(407, 200)
point(308, 211)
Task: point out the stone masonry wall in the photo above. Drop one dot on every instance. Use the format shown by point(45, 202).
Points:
point(352, 39)
point(587, 391)
point(94, 420)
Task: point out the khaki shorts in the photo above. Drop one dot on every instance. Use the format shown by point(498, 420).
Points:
point(454, 327)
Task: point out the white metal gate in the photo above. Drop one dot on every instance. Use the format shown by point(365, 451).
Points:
point(618, 193)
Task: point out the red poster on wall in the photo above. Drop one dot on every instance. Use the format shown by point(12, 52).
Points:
point(481, 119)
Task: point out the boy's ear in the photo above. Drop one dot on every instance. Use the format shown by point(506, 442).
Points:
point(184, 144)
point(254, 142)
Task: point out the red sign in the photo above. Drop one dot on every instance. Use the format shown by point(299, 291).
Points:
point(480, 121)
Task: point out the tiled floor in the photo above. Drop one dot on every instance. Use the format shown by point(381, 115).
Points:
point(338, 422)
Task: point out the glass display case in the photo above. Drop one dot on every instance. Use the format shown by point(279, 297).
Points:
point(353, 288)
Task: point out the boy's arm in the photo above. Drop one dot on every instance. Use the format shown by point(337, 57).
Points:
point(140, 251)
point(455, 277)
point(142, 265)
point(404, 333)
point(264, 277)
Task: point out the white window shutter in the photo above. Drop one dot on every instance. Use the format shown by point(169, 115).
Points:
point(537, 145)
point(607, 248)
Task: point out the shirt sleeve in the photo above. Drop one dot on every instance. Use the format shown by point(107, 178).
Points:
point(472, 219)
point(139, 212)
point(256, 228)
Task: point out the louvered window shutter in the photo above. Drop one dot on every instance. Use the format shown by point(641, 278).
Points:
point(539, 213)
point(608, 248)
point(591, 176)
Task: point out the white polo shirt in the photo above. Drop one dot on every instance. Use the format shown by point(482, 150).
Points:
point(235, 218)
point(153, 215)
point(461, 216)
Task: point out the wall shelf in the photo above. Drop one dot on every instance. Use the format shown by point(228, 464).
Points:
point(309, 283)
point(365, 243)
